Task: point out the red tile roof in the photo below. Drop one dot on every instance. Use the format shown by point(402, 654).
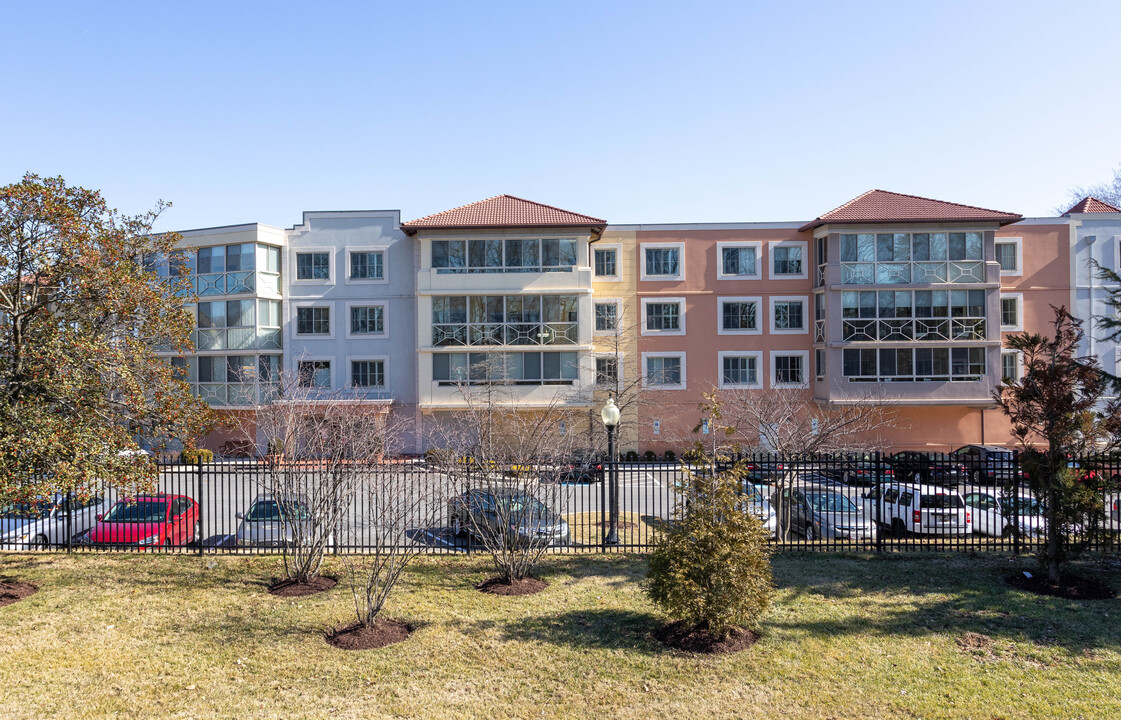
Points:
point(1091, 205)
point(881, 206)
point(502, 211)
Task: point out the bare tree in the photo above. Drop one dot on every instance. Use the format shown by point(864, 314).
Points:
point(320, 445)
point(1109, 192)
point(618, 373)
point(505, 458)
point(789, 424)
point(400, 506)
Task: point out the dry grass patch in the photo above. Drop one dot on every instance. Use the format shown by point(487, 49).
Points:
point(850, 636)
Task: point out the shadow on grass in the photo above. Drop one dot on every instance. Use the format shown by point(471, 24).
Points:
point(589, 630)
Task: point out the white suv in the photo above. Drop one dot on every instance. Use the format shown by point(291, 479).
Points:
point(922, 509)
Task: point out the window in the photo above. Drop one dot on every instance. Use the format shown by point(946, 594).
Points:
point(313, 266)
point(506, 368)
point(505, 320)
point(314, 373)
point(902, 258)
point(789, 369)
point(739, 316)
point(788, 259)
point(662, 261)
point(819, 364)
point(938, 364)
point(367, 373)
point(606, 262)
point(1010, 312)
point(665, 371)
point(1009, 255)
point(919, 315)
point(1010, 366)
point(607, 371)
point(607, 316)
point(367, 265)
point(663, 316)
point(490, 255)
point(788, 315)
point(739, 369)
point(313, 321)
point(367, 320)
point(738, 261)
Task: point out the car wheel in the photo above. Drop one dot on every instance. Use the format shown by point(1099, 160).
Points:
point(810, 534)
point(167, 545)
point(898, 528)
point(1007, 532)
point(196, 532)
point(39, 543)
point(975, 477)
point(457, 526)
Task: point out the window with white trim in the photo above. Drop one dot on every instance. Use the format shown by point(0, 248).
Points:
point(367, 265)
point(739, 260)
point(739, 370)
point(663, 316)
point(313, 321)
point(788, 314)
point(606, 262)
point(789, 369)
point(1009, 255)
point(662, 262)
point(314, 373)
point(367, 373)
point(1010, 312)
point(313, 266)
point(607, 316)
point(1010, 365)
point(367, 320)
point(607, 370)
point(664, 370)
point(788, 259)
point(739, 315)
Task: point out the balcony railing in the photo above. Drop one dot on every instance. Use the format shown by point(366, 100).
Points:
point(238, 339)
point(237, 283)
point(472, 334)
point(918, 273)
point(901, 330)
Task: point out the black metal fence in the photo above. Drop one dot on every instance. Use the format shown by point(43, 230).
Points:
point(871, 502)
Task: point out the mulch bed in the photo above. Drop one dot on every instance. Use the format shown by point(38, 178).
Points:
point(1070, 587)
point(690, 638)
point(623, 525)
point(525, 586)
point(12, 591)
point(291, 588)
point(359, 637)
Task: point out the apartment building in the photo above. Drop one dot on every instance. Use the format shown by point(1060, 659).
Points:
point(889, 297)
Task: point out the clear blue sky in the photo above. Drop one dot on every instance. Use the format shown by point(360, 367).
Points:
point(635, 112)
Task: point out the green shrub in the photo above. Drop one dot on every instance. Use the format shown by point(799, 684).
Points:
point(670, 455)
point(276, 446)
point(650, 456)
point(632, 456)
point(711, 568)
point(692, 455)
point(193, 455)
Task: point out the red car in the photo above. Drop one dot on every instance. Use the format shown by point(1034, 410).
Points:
point(147, 521)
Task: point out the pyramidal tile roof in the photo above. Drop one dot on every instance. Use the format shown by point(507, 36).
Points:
point(502, 211)
point(881, 206)
point(1090, 204)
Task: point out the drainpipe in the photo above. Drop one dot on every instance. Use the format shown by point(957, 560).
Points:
point(1090, 239)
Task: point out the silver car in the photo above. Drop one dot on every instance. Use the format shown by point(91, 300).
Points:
point(995, 514)
point(821, 512)
point(268, 523)
point(760, 508)
point(41, 524)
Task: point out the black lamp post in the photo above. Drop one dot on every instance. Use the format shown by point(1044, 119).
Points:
point(610, 416)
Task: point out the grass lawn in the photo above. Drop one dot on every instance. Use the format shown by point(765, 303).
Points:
point(850, 636)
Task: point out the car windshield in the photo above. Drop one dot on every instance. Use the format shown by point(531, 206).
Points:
point(516, 504)
point(751, 493)
point(269, 511)
point(138, 511)
point(942, 501)
point(1024, 507)
point(26, 511)
point(830, 502)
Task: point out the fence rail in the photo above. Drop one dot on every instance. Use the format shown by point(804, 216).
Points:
point(821, 503)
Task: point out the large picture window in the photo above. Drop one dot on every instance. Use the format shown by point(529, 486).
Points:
point(939, 364)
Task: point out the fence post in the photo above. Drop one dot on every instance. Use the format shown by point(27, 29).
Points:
point(69, 521)
point(1017, 476)
point(878, 494)
point(198, 476)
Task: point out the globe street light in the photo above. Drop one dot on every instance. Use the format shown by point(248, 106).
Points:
point(610, 417)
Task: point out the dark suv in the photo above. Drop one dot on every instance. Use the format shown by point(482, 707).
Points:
point(987, 464)
point(582, 467)
point(929, 468)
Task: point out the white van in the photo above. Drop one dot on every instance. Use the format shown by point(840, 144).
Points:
point(921, 509)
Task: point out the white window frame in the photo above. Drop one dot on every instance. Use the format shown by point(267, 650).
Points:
point(360, 358)
point(1019, 243)
point(662, 246)
point(294, 253)
point(804, 354)
point(618, 248)
point(383, 335)
point(1019, 298)
point(771, 274)
point(317, 358)
point(757, 299)
point(1019, 363)
point(658, 300)
point(759, 371)
point(645, 375)
point(739, 244)
point(618, 303)
point(618, 367)
point(383, 280)
point(806, 311)
point(331, 320)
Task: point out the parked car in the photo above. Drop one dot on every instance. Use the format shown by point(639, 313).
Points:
point(760, 507)
point(918, 508)
point(821, 512)
point(510, 516)
point(269, 521)
point(987, 464)
point(864, 473)
point(41, 524)
point(147, 521)
point(928, 468)
point(994, 514)
point(586, 468)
